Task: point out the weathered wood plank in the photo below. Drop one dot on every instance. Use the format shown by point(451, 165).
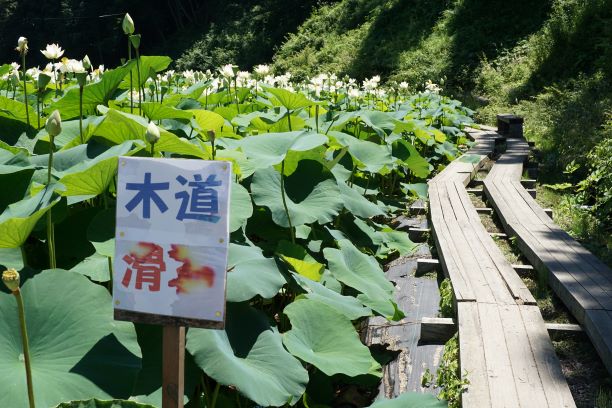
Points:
point(499, 369)
point(598, 325)
point(524, 368)
point(472, 356)
point(437, 329)
point(555, 386)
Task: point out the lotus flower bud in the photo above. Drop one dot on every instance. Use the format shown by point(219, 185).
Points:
point(81, 78)
point(86, 62)
point(211, 135)
point(43, 80)
point(22, 45)
point(152, 135)
point(11, 278)
point(135, 39)
point(127, 24)
point(53, 126)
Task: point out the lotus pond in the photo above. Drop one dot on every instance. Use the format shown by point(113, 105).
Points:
point(321, 166)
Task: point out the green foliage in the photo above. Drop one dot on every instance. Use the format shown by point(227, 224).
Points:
point(447, 299)
point(448, 376)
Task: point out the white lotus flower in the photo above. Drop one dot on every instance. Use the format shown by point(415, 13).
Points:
point(22, 45)
point(262, 70)
point(53, 51)
point(152, 134)
point(127, 24)
point(353, 92)
point(227, 71)
point(189, 75)
point(403, 85)
point(53, 126)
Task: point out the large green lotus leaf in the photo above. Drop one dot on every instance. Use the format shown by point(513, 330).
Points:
point(95, 94)
point(312, 194)
point(148, 387)
point(20, 218)
point(241, 207)
point(15, 110)
point(11, 258)
point(298, 258)
point(447, 149)
point(356, 203)
point(381, 122)
point(157, 111)
point(361, 272)
point(411, 400)
point(96, 266)
point(288, 99)
point(346, 305)
point(368, 156)
point(101, 232)
point(418, 190)
point(96, 403)
point(293, 158)
point(249, 355)
point(119, 127)
point(18, 178)
point(86, 169)
point(327, 339)
point(70, 136)
point(386, 239)
point(251, 274)
point(241, 166)
point(259, 120)
point(147, 63)
point(77, 350)
point(271, 148)
point(208, 120)
point(410, 158)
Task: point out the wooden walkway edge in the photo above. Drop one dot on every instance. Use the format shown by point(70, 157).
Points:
point(579, 279)
point(505, 351)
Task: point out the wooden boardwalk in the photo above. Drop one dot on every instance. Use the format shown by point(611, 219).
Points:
point(580, 280)
point(504, 345)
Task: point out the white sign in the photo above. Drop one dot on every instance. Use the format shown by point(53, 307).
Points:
point(171, 240)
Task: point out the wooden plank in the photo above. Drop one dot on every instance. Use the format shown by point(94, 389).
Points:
point(562, 328)
point(598, 325)
point(418, 234)
point(437, 329)
point(446, 250)
point(472, 358)
point(486, 266)
point(515, 285)
point(555, 386)
point(425, 265)
point(524, 369)
point(173, 384)
point(499, 369)
point(464, 256)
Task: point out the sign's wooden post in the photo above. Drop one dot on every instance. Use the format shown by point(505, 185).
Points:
point(173, 383)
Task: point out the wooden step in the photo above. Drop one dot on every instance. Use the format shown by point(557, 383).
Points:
point(425, 265)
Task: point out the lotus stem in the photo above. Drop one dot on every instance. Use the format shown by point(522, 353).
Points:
point(25, 89)
point(215, 395)
point(38, 108)
point(138, 78)
point(81, 112)
point(236, 94)
point(50, 232)
point(11, 279)
point(131, 75)
point(285, 201)
point(24, 255)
